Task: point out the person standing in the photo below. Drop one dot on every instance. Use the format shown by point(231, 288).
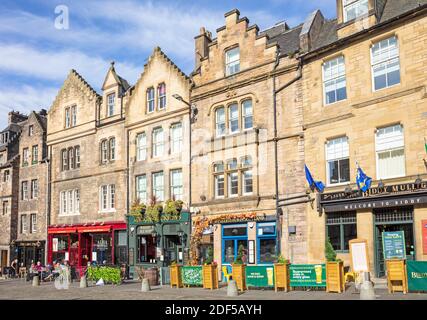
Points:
point(14, 268)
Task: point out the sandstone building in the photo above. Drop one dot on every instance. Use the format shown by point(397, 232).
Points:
point(247, 95)
point(87, 151)
point(9, 187)
point(364, 92)
point(33, 186)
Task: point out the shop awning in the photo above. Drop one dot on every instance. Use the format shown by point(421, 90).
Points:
point(94, 229)
point(62, 230)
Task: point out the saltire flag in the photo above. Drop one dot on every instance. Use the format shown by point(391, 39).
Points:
point(425, 144)
point(318, 185)
point(363, 181)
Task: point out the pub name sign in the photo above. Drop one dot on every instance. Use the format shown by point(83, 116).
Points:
point(387, 196)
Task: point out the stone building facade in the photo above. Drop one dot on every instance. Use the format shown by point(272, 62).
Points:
point(33, 186)
point(158, 132)
point(364, 87)
point(247, 95)
point(9, 187)
point(87, 152)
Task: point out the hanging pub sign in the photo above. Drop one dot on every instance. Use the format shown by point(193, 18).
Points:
point(384, 197)
point(424, 233)
point(394, 245)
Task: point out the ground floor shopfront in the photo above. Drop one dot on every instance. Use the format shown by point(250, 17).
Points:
point(28, 252)
point(158, 244)
point(343, 216)
point(101, 243)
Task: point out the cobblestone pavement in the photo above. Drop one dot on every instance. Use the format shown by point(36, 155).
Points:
point(19, 289)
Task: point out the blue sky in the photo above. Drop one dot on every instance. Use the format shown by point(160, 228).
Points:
point(35, 57)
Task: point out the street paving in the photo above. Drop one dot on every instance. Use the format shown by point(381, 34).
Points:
point(22, 290)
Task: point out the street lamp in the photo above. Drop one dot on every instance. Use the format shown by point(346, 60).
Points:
point(193, 108)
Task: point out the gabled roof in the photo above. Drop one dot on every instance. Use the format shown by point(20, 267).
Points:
point(122, 82)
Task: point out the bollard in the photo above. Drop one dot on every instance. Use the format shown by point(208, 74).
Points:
point(145, 287)
point(367, 291)
point(83, 282)
point(36, 281)
point(232, 289)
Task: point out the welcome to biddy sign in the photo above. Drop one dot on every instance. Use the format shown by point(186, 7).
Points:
point(417, 275)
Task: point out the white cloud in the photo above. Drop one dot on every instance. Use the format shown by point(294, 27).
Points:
point(55, 65)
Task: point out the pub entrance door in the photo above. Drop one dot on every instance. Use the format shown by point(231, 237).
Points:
point(3, 261)
point(395, 219)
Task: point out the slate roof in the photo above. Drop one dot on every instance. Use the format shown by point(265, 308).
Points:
point(287, 39)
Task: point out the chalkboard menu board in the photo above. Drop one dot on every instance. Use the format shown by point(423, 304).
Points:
point(192, 276)
point(394, 245)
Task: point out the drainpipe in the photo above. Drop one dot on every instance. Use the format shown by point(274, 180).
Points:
point(275, 138)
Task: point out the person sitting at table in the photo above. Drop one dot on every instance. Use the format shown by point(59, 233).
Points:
point(32, 272)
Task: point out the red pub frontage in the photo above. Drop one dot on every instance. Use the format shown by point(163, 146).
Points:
point(101, 242)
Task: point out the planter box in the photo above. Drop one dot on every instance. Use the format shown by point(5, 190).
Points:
point(396, 276)
point(239, 275)
point(210, 277)
point(281, 276)
point(335, 277)
point(175, 276)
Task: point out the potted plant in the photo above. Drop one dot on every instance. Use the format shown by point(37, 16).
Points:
point(153, 211)
point(334, 270)
point(137, 210)
point(239, 269)
point(281, 274)
point(172, 209)
point(210, 271)
point(175, 275)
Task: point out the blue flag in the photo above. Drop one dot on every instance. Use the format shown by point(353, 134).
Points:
point(362, 180)
point(313, 184)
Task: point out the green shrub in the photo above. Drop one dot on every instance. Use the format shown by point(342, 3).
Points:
point(108, 274)
point(239, 258)
point(209, 258)
point(281, 259)
point(330, 253)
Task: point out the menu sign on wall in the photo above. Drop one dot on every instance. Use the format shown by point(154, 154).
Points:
point(424, 232)
point(394, 245)
point(359, 255)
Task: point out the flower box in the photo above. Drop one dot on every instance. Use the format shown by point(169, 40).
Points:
point(335, 276)
point(175, 276)
point(239, 275)
point(210, 276)
point(281, 276)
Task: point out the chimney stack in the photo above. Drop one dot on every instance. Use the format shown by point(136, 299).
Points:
point(15, 117)
point(202, 42)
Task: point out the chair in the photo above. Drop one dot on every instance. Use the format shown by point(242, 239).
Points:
point(226, 274)
point(23, 273)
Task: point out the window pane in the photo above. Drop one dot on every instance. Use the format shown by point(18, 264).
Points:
point(234, 230)
point(229, 251)
point(220, 121)
point(234, 118)
point(247, 181)
point(233, 184)
point(247, 114)
point(344, 170)
point(219, 185)
point(267, 250)
point(350, 233)
point(333, 171)
point(335, 236)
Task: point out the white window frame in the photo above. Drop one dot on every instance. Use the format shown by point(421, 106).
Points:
point(158, 144)
point(24, 189)
point(234, 106)
point(74, 116)
point(139, 179)
point(244, 115)
point(24, 224)
point(33, 223)
point(158, 189)
point(5, 205)
point(77, 156)
point(150, 100)
point(328, 176)
point(141, 148)
point(377, 152)
point(230, 65)
point(25, 156)
point(69, 202)
point(112, 148)
point(386, 61)
point(34, 189)
point(104, 151)
point(67, 117)
point(107, 198)
point(244, 172)
point(161, 99)
point(334, 78)
point(217, 123)
point(176, 141)
point(350, 3)
point(174, 187)
point(34, 154)
point(111, 103)
point(30, 130)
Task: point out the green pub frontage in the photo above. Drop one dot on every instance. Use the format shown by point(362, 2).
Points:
point(158, 244)
point(391, 218)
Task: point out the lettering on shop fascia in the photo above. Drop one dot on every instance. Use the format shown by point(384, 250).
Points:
point(261, 218)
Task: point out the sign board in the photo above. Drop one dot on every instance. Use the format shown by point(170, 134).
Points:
point(394, 245)
point(145, 230)
point(66, 256)
point(94, 256)
point(359, 260)
point(417, 275)
point(192, 276)
point(307, 275)
point(424, 233)
point(260, 276)
point(251, 249)
point(55, 244)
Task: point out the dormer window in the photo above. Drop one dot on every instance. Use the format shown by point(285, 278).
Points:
point(4, 137)
point(353, 9)
point(30, 130)
point(232, 61)
point(111, 99)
